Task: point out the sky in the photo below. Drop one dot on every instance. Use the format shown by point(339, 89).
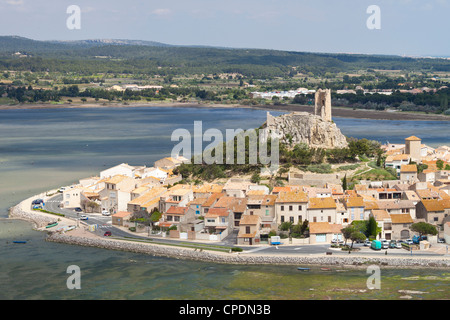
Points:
point(403, 27)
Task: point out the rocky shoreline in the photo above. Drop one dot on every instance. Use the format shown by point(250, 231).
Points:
point(86, 238)
point(250, 259)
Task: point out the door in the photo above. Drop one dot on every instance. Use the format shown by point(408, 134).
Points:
point(321, 237)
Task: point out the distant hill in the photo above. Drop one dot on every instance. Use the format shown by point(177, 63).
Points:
point(136, 56)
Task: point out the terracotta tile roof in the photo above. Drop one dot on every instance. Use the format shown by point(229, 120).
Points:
point(248, 219)
point(433, 205)
point(198, 201)
point(148, 196)
point(247, 235)
point(269, 200)
point(177, 210)
point(413, 138)
point(322, 203)
point(324, 227)
point(408, 168)
point(225, 202)
point(212, 199)
point(380, 214)
point(121, 214)
point(217, 212)
point(401, 218)
point(354, 202)
point(292, 196)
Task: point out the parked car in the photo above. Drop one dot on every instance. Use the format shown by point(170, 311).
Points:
point(376, 245)
point(84, 217)
point(441, 240)
point(409, 241)
point(106, 213)
point(385, 245)
point(37, 201)
point(398, 245)
point(367, 243)
point(393, 244)
point(78, 209)
point(107, 234)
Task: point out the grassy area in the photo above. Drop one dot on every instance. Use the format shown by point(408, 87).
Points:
point(198, 246)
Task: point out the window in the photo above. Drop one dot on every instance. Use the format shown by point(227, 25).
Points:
point(315, 219)
point(169, 218)
point(223, 220)
point(290, 208)
point(361, 216)
point(267, 212)
point(176, 218)
point(282, 208)
point(300, 218)
point(247, 229)
point(291, 219)
point(299, 208)
point(329, 218)
point(282, 219)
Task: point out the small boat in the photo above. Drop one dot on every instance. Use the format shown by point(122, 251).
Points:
point(325, 269)
point(303, 269)
point(52, 225)
point(19, 241)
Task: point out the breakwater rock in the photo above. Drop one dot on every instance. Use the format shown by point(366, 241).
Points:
point(242, 258)
point(39, 221)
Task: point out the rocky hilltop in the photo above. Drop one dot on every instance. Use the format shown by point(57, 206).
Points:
point(298, 127)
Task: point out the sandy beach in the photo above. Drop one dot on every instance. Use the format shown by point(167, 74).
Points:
point(337, 111)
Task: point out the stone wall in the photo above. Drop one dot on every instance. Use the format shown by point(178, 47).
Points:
point(235, 258)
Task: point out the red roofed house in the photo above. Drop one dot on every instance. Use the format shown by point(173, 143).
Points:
point(219, 220)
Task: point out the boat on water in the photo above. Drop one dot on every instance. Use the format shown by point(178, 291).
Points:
point(19, 241)
point(303, 269)
point(325, 269)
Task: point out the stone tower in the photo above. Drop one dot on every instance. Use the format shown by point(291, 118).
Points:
point(322, 105)
point(412, 147)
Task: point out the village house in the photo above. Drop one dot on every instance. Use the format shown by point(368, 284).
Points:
point(433, 211)
point(324, 232)
point(123, 169)
point(408, 173)
point(146, 201)
point(355, 209)
point(117, 193)
point(169, 163)
point(249, 230)
point(401, 224)
point(384, 221)
point(219, 220)
point(121, 218)
point(291, 207)
point(321, 210)
point(206, 189)
point(177, 216)
point(73, 197)
point(396, 161)
point(210, 202)
point(179, 195)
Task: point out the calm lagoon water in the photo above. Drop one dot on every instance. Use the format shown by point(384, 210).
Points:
point(45, 149)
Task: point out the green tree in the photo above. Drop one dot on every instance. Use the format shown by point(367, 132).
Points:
point(424, 228)
point(372, 227)
point(440, 164)
point(344, 183)
point(347, 232)
point(357, 235)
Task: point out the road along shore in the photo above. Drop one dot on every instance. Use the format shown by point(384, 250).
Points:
point(80, 236)
point(354, 260)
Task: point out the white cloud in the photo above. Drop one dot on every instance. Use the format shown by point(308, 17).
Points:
point(14, 2)
point(161, 12)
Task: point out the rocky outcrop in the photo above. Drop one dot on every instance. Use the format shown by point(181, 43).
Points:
point(302, 127)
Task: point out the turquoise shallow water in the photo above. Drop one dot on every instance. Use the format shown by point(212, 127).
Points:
point(44, 149)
